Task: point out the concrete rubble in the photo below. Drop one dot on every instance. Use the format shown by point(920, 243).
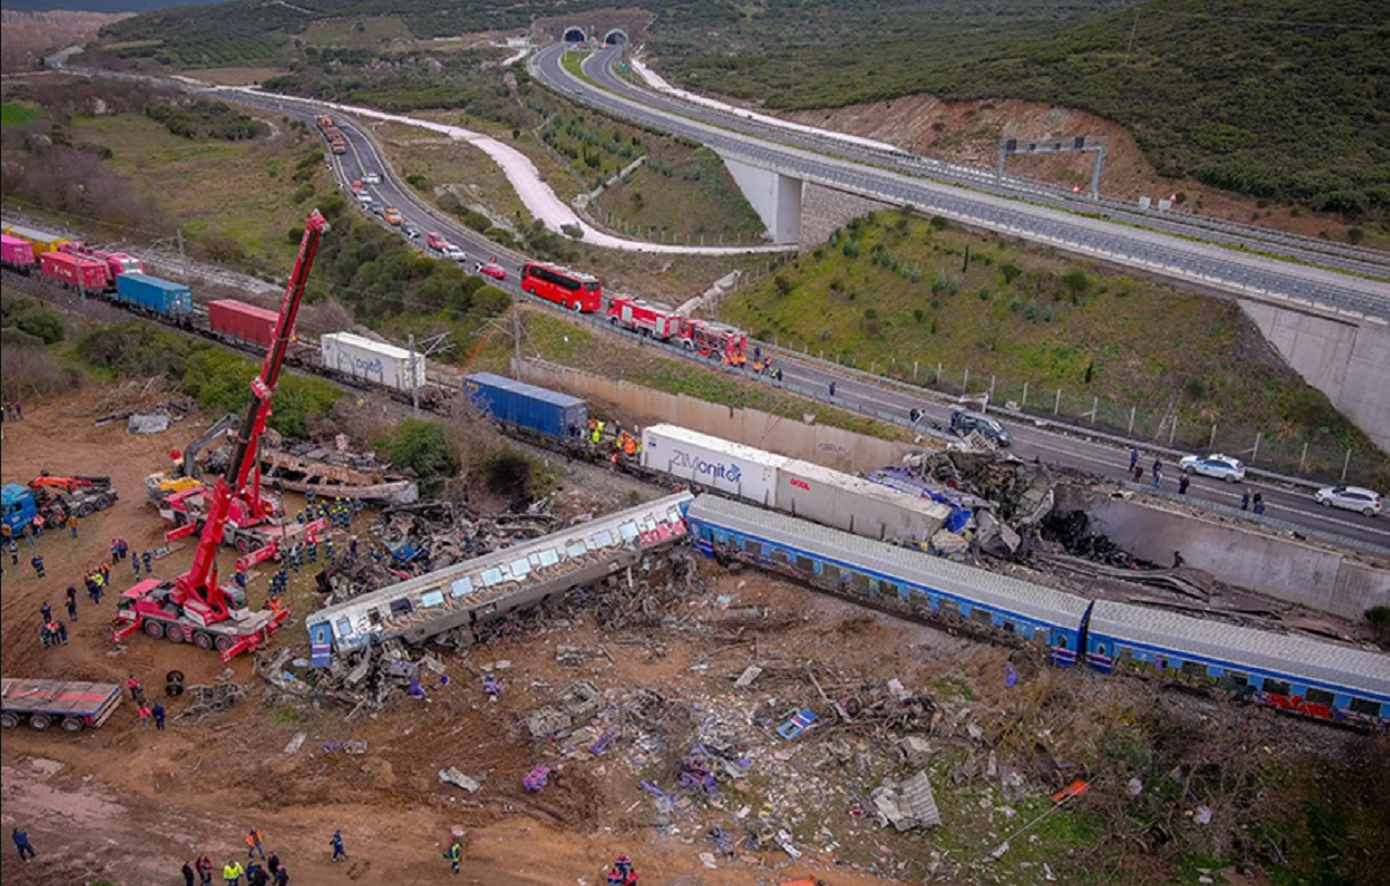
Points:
point(907, 804)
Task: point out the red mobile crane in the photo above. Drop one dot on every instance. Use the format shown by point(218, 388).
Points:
point(193, 607)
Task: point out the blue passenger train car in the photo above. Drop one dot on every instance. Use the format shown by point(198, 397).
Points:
point(549, 413)
point(858, 566)
point(1319, 679)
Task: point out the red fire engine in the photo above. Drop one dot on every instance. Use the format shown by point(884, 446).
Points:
point(650, 319)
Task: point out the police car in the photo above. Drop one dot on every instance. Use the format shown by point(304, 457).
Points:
point(1222, 467)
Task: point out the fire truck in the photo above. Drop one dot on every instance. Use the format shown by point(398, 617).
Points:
point(194, 608)
point(654, 320)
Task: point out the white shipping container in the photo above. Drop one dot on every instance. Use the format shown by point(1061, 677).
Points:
point(853, 504)
point(708, 461)
point(369, 360)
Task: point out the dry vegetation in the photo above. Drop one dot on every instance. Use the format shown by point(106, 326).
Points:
point(26, 37)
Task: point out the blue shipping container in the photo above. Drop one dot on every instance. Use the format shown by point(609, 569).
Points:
point(153, 294)
point(527, 406)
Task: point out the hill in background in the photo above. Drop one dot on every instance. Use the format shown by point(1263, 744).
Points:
point(1281, 100)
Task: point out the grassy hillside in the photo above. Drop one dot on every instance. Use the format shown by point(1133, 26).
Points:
point(900, 295)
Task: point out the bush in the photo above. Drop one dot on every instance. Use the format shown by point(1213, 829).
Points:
point(28, 316)
point(424, 446)
point(1076, 281)
point(509, 473)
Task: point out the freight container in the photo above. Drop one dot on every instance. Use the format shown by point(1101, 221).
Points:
point(43, 241)
point(85, 274)
point(153, 294)
point(16, 254)
point(853, 504)
point(708, 461)
point(241, 321)
point(369, 360)
point(513, 402)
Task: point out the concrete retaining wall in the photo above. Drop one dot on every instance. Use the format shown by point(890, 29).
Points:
point(832, 447)
point(1282, 568)
point(824, 209)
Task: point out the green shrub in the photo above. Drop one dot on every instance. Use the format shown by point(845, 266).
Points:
point(424, 446)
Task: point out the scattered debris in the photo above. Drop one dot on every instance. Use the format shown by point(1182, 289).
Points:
point(211, 699)
point(295, 743)
point(453, 776)
point(907, 804)
point(537, 778)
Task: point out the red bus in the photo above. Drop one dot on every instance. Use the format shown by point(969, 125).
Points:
point(574, 290)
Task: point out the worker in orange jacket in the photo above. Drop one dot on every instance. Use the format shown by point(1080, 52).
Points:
point(253, 843)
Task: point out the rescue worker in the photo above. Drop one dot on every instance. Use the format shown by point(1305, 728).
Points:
point(21, 843)
point(312, 549)
point(282, 877)
point(624, 863)
point(299, 517)
point(232, 871)
point(46, 611)
point(339, 853)
point(37, 562)
point(72, 524)
point(72, 603)
point(134, 686)
point(143, 712)
point(45, 634)
point(615, 878)
point(240, 577)
point(148, 557)
point(187, 873)
point(157, 711)
point(203, 866)
point(328, 553)
point(352, 548)
point(38, 525)
point(454, 853)
point(135, 564)
point(61, 627)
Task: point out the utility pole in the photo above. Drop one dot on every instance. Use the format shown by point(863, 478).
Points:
point(183, 262)
point(516, 337)
point(414, 377)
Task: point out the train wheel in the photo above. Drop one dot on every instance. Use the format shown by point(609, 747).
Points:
point(8, 720)
point(175, 634)
point(223, 642)
point(39, 722)
point(154, 627)
point(73, 724)
point(202, 639)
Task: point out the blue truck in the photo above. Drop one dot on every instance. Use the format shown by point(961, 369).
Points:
point(549, 413)
point(162, 297)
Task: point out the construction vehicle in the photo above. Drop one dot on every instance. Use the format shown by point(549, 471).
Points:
point(186, 474)
point(194, 607)
point(53, 498)
point(73, 706)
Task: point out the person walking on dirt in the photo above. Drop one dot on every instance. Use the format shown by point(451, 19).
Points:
point(61, 627)
point(148, 557)
point(45, 634)
point(72, 524)
point(157, 711)
point(204, 868)
point(232, 871)
point(454, 853)
point(46, 611)
point(339, 853)
point(282, 877)
point(253, 843)
point(187, 873)
point(72, 603)
point(37, 562)
point(21, 842)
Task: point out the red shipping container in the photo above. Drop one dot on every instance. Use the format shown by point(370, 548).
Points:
point(242, 321)
point(16, 253)
point(65, 268)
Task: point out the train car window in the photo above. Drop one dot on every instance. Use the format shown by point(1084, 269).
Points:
point(1100, 649)
point(859, 582)
point(398, 606)
point(983, 616)
point(805, 564)
point(649, 523)
point(344, 627)
point(1365, 707)
point(521, 568)
point(780, 557)
point(1061, 641)
point(1319, 696)
point(1010, 627)
point(604, 539)
point(949, 606)
point(1194, 669)
point(578, 549)
point(549, 557)
point(1235, 679)
point(461, 586)
point(432, 598)
point(1124, 653)
point(888, 587)
point(374, 616)
point(491, 577)
point(1277, 687)
point(628, 530)
point(751, 546)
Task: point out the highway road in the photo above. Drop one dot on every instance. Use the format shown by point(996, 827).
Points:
point(853, 391)
point(1247, 275)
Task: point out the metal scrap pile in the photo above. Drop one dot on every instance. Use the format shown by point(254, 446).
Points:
point(336, 472)
point(1008, 498)
point(370, 678)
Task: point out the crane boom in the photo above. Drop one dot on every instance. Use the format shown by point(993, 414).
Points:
point(201, 578)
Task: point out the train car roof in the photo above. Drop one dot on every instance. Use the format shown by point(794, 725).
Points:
point(1292, 656)
point(867, 488)
point(989, 589)
point(545, 395)
point(352, 339)
point(158, 282)
point(717, 444)
point(444, 577)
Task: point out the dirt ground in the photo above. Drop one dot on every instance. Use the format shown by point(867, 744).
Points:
point(128, 806)
point(970, 131)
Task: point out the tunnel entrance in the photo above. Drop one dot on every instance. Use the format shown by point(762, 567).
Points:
point(615, 37)
point(574, 34)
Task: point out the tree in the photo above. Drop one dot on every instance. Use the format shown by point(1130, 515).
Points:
point(424, 446)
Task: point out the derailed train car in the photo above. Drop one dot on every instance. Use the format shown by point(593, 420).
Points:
point(468, 595)
point(1318, 679)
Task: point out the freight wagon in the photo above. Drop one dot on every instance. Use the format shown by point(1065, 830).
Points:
point(371, 361)
point(16, 254)
point(75, 272)
point(242, 322)
point(856, 505)
point(73, 706)
point(43, 241)
point(117, 263)
point(520, 405)
point(721, 465)
point(163, 297)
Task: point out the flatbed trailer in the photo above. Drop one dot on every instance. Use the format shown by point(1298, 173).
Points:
point(72, 705)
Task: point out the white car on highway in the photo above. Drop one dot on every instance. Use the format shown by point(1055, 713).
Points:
point(1350, 498)
point(1222, 467)
point(371, 178)
point(453, 252)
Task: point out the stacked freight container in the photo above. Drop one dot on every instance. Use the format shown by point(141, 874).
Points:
point(153, 294)
point(86, 274)
point(526, 406)
point(372, 361)
point(800, 488)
